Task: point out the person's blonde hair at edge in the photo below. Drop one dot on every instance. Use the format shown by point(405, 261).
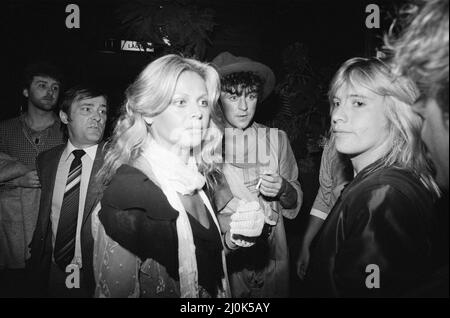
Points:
point(420, 50)
point(150, 95)
point(407, 149)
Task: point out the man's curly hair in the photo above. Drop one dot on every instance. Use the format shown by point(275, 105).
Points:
point(240, 82)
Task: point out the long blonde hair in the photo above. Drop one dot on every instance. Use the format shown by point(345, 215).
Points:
point(407, 149)
point(150, 95)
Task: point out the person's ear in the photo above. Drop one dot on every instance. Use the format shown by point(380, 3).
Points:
point(25, 92)
point(63, 116)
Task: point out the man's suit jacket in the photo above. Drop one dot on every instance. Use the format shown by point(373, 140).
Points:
point(41, 244)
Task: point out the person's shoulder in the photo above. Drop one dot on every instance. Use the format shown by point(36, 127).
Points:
point(10, 123)
point(394, 184)
point(128, 173)
point(401, 179)
point(44, 158)
point(388, 195)
point(127, 179)
point(51, 153)
point(131, 188)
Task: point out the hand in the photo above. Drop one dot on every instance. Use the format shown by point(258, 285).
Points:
point(248, 220)
point(272, 185)
point(224, 217)
point(303, 262)
point(28, 180)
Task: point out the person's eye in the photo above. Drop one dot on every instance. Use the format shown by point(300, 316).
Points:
point(233, 98)
point(55, 88)
point(85, 109)
point(42, 86)
point(253, 96)
point(103, 111)
point(179, 102)
point(358, 103)
point(336, 103)
point(204, 103)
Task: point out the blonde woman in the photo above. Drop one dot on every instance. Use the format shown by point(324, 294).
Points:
point(377, 240)
point(156, 233)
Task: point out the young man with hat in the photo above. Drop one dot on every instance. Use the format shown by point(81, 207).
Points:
point(259, 166)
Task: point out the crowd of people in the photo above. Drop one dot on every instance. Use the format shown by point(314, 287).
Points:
point(187, 197)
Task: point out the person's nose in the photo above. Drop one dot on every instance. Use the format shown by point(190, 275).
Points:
point(243, 103)
point(50, 92)
point(196, 112)
point(97, 116)
point(339, 115)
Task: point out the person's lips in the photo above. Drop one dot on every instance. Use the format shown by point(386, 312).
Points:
point(340, 132)
point(193, 129)
point(94, 127)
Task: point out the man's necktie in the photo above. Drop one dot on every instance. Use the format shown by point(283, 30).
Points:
point(67, 225)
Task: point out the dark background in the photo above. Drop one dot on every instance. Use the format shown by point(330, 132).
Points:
point(332, 31)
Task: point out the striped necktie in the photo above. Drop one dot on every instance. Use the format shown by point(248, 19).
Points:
point(67, 225)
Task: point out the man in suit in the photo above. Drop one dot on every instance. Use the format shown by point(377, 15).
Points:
point(62, 245)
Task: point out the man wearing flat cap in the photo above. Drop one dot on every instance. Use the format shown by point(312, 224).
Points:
point(259, 165)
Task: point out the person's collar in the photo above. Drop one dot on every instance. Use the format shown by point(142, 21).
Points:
point(23, 118)
point(251, 126)
point(90, 151)
point(374, 166)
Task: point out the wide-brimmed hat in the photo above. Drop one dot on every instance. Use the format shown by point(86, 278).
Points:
point(226, 63)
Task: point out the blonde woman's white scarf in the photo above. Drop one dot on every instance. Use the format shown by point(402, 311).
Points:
point(174, 177)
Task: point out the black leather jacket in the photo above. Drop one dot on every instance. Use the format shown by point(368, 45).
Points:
point(378, 239)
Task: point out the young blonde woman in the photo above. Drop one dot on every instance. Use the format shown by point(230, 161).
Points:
point(377, 240)
point(156, 233)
